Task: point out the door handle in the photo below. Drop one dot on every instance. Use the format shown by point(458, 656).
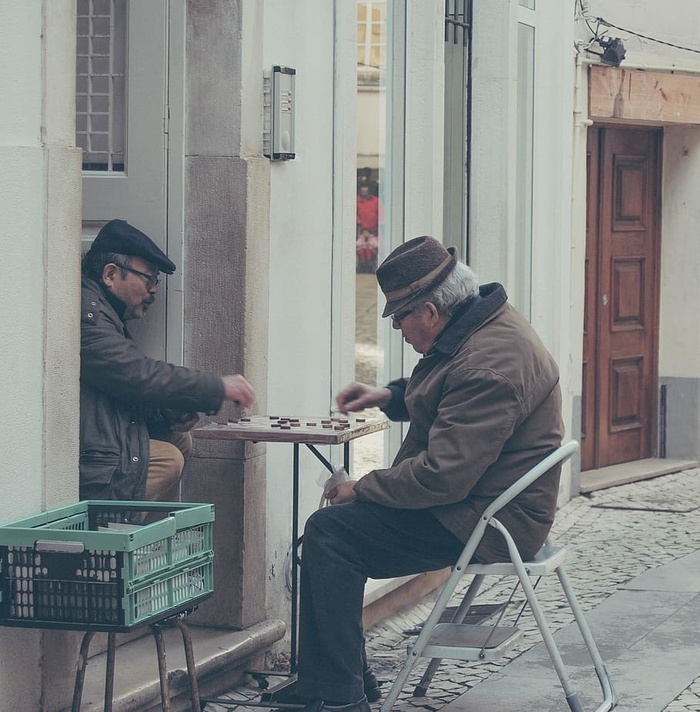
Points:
point(605, 300)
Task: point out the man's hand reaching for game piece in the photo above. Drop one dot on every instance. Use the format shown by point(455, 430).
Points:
point(358, 396)
point(237, 389)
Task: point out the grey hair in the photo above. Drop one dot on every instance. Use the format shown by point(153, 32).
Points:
point(459, 285)
point(94, 261)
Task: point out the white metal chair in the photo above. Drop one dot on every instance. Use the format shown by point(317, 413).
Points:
point(459, 641)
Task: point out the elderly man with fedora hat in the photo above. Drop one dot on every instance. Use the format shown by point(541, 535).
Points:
point(484, 406)
point(135, 411)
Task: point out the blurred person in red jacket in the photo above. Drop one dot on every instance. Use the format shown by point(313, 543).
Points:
point(369, 216)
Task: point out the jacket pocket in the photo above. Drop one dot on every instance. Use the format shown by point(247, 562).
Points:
point(97, 471)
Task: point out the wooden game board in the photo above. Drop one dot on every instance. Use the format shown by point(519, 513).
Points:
point(287, 429)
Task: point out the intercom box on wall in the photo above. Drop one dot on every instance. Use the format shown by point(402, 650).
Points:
point(279, 103)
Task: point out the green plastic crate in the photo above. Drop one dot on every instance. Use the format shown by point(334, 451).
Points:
point(95, 565)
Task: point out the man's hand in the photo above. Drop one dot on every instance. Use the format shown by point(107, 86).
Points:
point(358, 396)
point(176, 421)
point(238, 390)
point(184, 426)
point(342, 493)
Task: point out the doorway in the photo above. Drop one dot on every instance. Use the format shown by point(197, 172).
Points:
point(621, 312)
point(122, 127)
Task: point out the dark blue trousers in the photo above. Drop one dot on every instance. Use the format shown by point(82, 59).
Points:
point(344, 545)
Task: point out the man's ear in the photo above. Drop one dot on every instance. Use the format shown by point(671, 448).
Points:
point(109, 271)
point(432, 310)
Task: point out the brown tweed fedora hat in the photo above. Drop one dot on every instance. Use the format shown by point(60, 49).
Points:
point(412, 269)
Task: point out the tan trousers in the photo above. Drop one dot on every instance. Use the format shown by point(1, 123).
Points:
point(165, 467)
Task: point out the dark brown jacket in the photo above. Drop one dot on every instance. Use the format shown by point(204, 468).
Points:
point(484, 407)
point(120, 388)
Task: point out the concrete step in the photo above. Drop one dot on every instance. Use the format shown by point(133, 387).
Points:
point(628, 472)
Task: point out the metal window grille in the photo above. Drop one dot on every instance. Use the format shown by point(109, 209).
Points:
point(371, 34)
point(458, 102)
point(101, 84)
point(457, 21)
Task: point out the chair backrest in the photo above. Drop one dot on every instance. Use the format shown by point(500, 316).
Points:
point(560, 455)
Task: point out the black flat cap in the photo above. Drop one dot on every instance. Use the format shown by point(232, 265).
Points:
point(120, 237)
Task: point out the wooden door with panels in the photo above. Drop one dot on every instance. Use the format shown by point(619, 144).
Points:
point(620, 340)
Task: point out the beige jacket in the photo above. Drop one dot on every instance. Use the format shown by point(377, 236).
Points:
point(484, 407)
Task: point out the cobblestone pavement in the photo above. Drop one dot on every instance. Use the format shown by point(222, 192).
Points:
point(612, 536)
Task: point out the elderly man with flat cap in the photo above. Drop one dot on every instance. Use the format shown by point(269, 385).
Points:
point(484, 406)
point(135, 411)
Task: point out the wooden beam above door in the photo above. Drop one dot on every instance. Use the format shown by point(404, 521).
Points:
point(643, 96)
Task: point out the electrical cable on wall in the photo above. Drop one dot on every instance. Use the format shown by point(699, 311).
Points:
point(602, 21)
point(594, 25)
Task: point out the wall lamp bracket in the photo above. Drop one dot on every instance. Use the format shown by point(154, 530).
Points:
point(613, 50)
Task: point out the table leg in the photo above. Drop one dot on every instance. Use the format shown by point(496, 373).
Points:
point(295, 546)
point(295, 539)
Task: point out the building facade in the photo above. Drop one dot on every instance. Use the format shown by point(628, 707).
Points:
point(497, 127)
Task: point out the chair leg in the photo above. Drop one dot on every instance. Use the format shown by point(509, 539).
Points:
point(421, 641)
point(162, 667)
point(191, 667)
point(547, 637)
point(421, 688)
point(606, 685)
point(80, 674)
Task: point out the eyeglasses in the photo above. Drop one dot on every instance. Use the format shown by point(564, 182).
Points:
point(396, 319)
point(152, 280)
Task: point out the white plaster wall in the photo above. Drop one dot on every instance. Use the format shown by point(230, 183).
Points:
point(39, 291)
point(679, 334)
point(299, 35)
point(23, 205)
point(62, 256)
point(40, 203)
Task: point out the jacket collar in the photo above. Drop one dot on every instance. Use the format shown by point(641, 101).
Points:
point(98, 289)
point(116, 303)
point(470, 317)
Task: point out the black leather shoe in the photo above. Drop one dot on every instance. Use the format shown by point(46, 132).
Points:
point(372, 691)
point(359, 706)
